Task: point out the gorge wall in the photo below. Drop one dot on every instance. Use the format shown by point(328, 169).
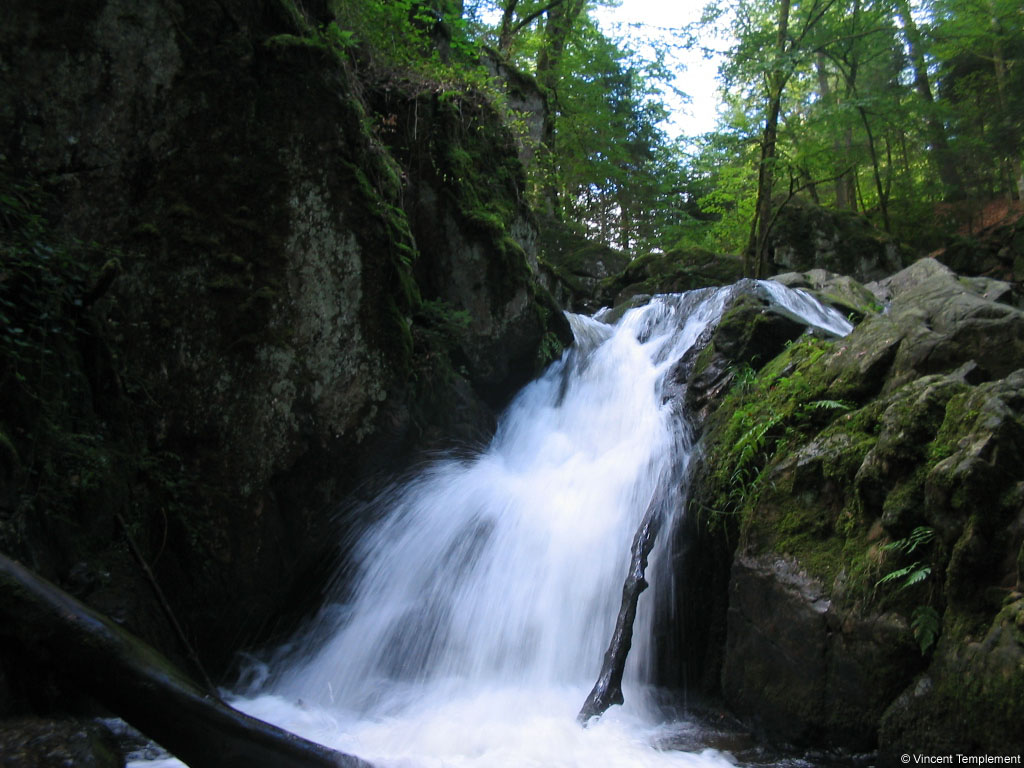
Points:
point(242, 277)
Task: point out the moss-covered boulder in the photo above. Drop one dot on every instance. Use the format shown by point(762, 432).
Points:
point(869, 491)
point(841, 292)
point(576, 267)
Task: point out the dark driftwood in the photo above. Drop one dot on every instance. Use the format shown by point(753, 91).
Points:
point(137, 683)
point(607, 691)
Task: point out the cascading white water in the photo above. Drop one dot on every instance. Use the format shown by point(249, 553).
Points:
point(486, 594)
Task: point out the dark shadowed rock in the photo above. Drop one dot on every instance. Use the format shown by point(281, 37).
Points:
point(806, 237)
point(749, 334)
point(37, 743)
point(803, 670)
point(303, 277)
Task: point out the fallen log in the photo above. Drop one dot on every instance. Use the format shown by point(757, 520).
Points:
point(607, 691)
point(140, 685)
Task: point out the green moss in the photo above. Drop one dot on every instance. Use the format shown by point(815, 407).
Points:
point(759, 418)
point(958, 417)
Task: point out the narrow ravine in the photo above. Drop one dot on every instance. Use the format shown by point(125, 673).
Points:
point(486, 594)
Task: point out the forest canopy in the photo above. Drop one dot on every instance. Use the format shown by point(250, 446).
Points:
point(900, 110)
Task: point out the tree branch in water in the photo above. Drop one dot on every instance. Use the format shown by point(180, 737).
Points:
point(140, 685)
point(607, 691)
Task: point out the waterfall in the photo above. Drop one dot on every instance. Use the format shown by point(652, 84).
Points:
point(486, 593)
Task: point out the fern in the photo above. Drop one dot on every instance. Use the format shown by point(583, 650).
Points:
point(919, 574)
point(914, 573)
point(900, 573)
point(830, 405)
point(918, 537)
point(926, 625)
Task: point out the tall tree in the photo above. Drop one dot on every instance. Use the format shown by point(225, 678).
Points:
point(945, 163)
point(561, 18)
point(778, 75)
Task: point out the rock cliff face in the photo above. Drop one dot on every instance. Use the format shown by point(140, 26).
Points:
point(300, 276)
point(859, 515)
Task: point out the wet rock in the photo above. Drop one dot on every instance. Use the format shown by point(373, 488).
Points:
point(750, 333)
point(675, 270)
point(306, 296)
point(839, 291)
point(969, 701)
point(801, 669)
point(40, 743)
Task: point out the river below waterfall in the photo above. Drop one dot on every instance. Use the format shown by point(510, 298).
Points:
point(486, 593)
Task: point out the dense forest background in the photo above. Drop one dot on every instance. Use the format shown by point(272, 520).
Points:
point(899, 110)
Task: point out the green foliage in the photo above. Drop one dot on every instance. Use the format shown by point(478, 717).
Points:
point(885, 108)
point(917, 571)
point(925, 623)
point(40, 283)
point(548, 351)
point(441, 315)
point(53, 447)
point(766, 412)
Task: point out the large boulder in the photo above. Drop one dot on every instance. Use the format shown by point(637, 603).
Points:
point(806, 236)
point(989, 239)
point(872, 488)
point(671, 271)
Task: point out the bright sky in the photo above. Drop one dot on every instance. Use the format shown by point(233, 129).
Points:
point(699, 78)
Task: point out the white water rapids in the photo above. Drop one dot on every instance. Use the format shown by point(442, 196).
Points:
point(486, 594)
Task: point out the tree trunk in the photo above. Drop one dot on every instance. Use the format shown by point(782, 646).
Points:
point(561, 17)
point(766, 170)
point(139, 685)
point(505, 30)
point(945, 163)
point(840, 148)
point(883, 202)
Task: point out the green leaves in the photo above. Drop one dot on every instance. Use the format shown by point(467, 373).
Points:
point(925, 622)
point(917, 538)
point(916, 572)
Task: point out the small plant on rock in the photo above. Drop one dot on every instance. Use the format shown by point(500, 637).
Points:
point(925, 621)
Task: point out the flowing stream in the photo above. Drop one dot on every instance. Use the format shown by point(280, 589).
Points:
point(485, 595)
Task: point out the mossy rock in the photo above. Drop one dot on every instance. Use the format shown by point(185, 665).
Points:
point(919, 433)
point(674, 271)
point(841, 292)
point(807, 236)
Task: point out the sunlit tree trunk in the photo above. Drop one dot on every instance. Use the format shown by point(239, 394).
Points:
point(755, 257)
point(944, 161)
point(561, 16)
